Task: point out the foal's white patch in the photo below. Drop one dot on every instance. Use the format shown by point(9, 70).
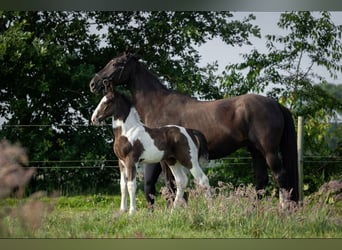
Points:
point(134, 130)
point(196, 169)
point(192, 146)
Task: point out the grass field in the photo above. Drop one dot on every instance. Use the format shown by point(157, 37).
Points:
point(233, 213)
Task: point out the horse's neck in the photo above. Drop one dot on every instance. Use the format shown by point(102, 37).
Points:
point(144, 81)
point(147, 91)
point(132, 121)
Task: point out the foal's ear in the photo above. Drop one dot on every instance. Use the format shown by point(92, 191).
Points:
point(110, 96)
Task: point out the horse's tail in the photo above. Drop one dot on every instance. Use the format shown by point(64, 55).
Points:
point(202, 145)
point(288, 149)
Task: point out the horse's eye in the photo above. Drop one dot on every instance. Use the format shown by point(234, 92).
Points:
point(119, 64)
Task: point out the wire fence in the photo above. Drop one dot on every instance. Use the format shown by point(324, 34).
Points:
point(101, 174)
point(230, 161)
point(88, 164)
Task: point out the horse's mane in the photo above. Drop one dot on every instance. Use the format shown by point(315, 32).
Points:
point(158, 82)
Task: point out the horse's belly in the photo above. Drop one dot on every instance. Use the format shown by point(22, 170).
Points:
point(151, 155)
point(223, 147)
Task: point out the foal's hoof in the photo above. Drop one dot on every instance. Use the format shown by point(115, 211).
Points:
point(132, 212)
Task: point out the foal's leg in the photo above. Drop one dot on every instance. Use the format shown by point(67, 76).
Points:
point(170, 183)
point(181, 180)
point(201, 178)
point(123, 187)
point(132, 187)
point(131, 168)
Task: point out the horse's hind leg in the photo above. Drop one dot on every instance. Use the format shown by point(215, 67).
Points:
point(201, 178)
point(181, 180)
point(170, 183)
point(151, 174)
point(279, 173)
point(260, 172)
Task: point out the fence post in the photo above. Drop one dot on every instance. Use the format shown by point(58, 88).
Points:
point(300, 157)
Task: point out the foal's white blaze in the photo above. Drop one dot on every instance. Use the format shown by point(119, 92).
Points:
point(95, 113)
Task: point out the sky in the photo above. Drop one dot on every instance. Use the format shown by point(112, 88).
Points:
point(267, 21)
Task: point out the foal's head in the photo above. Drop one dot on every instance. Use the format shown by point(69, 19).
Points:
point(105, 108)
point(117, 72)
point(113, 104)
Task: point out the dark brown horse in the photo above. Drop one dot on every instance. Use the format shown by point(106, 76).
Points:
point(259, 123)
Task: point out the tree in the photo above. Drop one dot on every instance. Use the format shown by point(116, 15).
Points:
point(167, 40)
point(43, 57)
point(293, 81)
point(48, 57)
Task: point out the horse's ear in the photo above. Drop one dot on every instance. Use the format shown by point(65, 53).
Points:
point(126, 52)
point(136, 57)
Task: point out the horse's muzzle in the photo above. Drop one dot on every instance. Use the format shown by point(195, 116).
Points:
point(95, 86)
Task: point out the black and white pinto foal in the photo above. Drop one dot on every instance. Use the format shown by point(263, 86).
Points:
point(135, 143)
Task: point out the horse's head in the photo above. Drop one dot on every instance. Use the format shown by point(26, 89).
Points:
point(104, 109)
point(116, 72)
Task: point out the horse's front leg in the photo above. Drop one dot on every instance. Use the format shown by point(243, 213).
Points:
point(123, 187)
point(131, 167)
point(181, 180)
point(132, 187)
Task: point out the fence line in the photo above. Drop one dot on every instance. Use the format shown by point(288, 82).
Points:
point(307, 159)
point(52, 125)
point(103, 163)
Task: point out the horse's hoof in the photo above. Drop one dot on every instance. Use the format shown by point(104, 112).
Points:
point(131, 212)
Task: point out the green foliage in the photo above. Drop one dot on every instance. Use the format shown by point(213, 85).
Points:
point(284, 70)
point(237, 169)
point(47, 59)
point(167, 40)
point(286, 73)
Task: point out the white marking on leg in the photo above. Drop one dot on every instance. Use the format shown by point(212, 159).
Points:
point(123, 188)
point(284, 197)
point(132, 187)
point(196, 169)
point(201, 178)
point(181, 180)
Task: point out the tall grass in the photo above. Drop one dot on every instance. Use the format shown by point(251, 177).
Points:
point(232, 213)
